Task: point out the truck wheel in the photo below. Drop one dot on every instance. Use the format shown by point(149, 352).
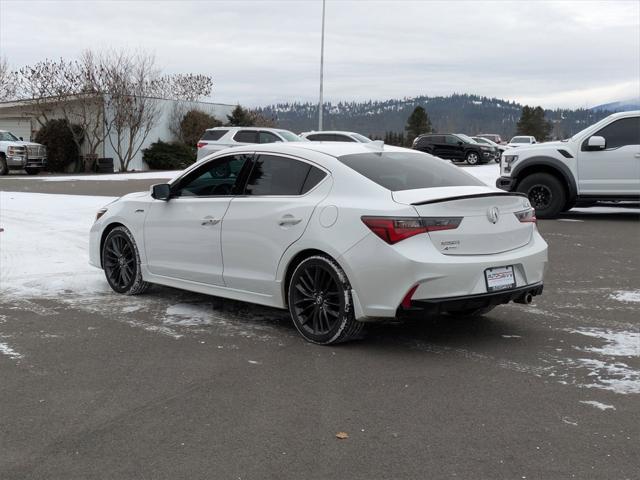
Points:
point(473, 158)
point(4, 170)
point(546, 194)
point(32, 171)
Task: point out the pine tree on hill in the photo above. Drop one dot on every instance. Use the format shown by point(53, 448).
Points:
point(240, 117)
point(532, 122)
point(418, 123)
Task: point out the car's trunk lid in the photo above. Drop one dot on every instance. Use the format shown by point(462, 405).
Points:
point(488, 223)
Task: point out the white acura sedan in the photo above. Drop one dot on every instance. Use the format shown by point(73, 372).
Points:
point(339, 233)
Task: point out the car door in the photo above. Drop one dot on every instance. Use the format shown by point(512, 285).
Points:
point(182, 235)
point(438, 145)
point(616, 169)
point(454, 149)
point(279, 199)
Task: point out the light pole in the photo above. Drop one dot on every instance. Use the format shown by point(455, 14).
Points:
point(320, 104)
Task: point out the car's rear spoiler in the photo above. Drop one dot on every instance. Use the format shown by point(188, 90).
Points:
point(472, 195)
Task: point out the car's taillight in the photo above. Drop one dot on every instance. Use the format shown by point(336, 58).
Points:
point(201, 144)
point(392, 230)
point(528, 215)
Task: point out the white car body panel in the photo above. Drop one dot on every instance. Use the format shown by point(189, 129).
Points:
point(254, 253)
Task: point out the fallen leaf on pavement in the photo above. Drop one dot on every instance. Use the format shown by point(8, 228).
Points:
point(342, 435)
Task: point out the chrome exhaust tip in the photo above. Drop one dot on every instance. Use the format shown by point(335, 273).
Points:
point(525, 299)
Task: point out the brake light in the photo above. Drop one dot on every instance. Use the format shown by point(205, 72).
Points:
point(201, 144)
point(392, 230)
point(526, 216)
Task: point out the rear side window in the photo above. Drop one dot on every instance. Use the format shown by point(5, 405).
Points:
point(246, 136)
point(273, 175)
point(314, 177)
point(620, 133)
point(213, 134)
point(408, 171)
point(320, 137)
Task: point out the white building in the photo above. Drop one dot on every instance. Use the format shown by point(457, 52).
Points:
point(21, 118)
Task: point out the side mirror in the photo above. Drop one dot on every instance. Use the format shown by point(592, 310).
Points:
point(161, 191)
point(596, 143)
point(460, 143)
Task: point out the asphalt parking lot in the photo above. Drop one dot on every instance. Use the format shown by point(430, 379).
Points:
point(178, 385)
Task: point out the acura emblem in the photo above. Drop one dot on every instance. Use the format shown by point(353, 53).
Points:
point(493, 214)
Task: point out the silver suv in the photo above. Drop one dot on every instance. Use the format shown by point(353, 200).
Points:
point(218, 138)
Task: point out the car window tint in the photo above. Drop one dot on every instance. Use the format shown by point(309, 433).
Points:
point(320, 137)
point(408, 171)
point(342, 138)
point(451, 140)
point(246, 136)
point(436, 139)
point(268, 137)
point(620, 133)
point(213, 134)
point(273, 175)
point(216, 178)
point(314, 177)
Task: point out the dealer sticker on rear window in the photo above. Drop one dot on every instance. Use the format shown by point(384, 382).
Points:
point(500, 278)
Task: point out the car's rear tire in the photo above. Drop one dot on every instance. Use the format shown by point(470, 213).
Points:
point(472, 158)
point(32, 171)
point(546, 194)
point(4, 170)
point(121, 262)
point(320, 302)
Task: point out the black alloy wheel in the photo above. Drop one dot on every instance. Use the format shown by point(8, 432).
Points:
point(320, 302)
point(546, 194)
point(473, 158)
point(121, 262)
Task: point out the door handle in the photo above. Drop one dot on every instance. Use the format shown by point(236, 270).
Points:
point(289, 220)
point(209, 221)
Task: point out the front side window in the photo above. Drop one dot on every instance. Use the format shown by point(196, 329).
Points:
point(451, 140)
point(274, 175)
point(342, 138)
point(288, 136)
point(220, 177)
point(246, 136)
point(408, 171)
point(621, 133)
point(320, 137)
point(8, 137)
point(268, 137)
point(361, 138)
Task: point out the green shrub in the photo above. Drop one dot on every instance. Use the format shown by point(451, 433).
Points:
point(62, 151)
point(193, 125)
point(168, 156)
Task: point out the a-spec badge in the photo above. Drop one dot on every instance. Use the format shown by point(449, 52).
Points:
point(493, 214)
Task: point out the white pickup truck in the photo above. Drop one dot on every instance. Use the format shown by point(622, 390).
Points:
point(16, 154)
point(600, 163)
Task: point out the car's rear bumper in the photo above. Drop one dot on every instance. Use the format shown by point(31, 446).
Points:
point(382, 275)
point(506, 183)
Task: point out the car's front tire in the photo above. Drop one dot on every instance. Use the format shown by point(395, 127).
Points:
point(546, 194)
point(320, 302)
point(4, 169)
point(473, 158)
point(121, 262)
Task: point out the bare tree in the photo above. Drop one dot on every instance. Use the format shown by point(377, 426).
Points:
point(7, 81)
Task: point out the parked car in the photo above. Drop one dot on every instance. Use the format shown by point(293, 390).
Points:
point(494, 137)
point(521, 140)
point(602, 162)
point(335, 136)
point(277, 225)
point(16, 154)
point(454, 147)
point(499, 148)
point(218, 138)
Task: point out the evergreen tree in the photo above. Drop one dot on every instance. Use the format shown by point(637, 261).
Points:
point(418, 123)
point(240, 117)
point(532, 122)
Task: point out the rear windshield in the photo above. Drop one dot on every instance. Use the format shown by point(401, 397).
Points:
point(213, 134)
point(521, 140)
point(408, 171)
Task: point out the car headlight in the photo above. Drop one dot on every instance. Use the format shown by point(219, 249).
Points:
point(100, 213)
point(485, 148)
point(507, 160)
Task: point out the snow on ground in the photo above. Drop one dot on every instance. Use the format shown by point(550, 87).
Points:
point(45, 243)
point(6, 350)
point(617, 343)
point(598, 405)
point(626, 296)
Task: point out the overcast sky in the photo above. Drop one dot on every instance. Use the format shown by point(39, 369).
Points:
point(556, 54)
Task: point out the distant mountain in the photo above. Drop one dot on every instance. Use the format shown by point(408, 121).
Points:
point(621, 106)
point(470, 114)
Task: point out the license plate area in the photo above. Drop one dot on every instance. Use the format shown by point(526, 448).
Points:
point(500, 278)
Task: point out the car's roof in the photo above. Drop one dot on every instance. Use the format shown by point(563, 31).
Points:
point(343, 132)
point(334, 149)
point(268, 129)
